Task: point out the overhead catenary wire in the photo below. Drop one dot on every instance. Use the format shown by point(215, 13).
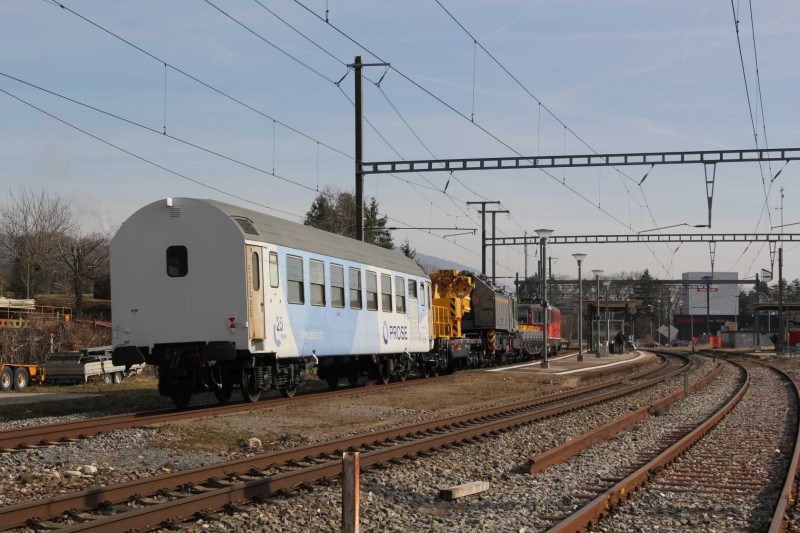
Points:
point(196, 79)
point(275, 46)
point(430, 152)
point(381, 136)
point(453, 109)
point(476, 124)
point(765, 208)
point(416, 185)
point(185, 176)
point(153, 130)
point(337, 84)
point(144, 159)
point(218, 91)
point(750, 107)
point(552, 114)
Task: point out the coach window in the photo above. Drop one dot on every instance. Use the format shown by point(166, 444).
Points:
point(386, 293)
point(400, 295)
point(256, 271)
point(177, 261)
point(273, 270)
point(412, 289)
point(316, 276)
point(337, 286)
point(422, 294)
point(355, 288)
point(294, 279)
point(372, 291)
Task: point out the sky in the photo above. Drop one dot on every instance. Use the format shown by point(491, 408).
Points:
point(610, 77)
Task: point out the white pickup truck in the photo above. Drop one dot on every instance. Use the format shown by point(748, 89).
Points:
point(80, 367)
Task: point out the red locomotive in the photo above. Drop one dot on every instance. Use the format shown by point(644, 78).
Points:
point(530, 316)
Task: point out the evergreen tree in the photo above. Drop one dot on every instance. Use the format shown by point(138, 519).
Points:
point(409, 252)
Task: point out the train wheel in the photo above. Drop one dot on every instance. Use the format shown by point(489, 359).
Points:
point(250, 392)
point(21, 379)
point(224, 394)
point(352, 378)
point(289, 392)
point(117, 378)
point(181, 396)
point(106, 379)
point(384, 372)
point(6, 379)
point(425, 370)
point(333, 382)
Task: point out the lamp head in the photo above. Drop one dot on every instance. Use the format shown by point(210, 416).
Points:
point(544, 233)
point(597, 272)
point(579, 257)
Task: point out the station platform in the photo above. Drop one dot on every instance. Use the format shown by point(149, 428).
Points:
point(567, 365)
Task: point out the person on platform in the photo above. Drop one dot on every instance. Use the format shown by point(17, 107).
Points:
point(619, 341)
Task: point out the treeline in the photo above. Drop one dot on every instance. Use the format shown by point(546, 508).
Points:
point(44, 251)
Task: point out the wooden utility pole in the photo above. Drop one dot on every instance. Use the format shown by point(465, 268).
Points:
point(351, 497)
point(359, 103)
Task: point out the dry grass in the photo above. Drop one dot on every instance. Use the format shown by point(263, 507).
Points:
point(136, 393)
point(375, 409)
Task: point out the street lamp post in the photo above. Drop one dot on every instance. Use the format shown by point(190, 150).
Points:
point(579, 258)
point(543, 235)
point(597, 274)
point(608, 318)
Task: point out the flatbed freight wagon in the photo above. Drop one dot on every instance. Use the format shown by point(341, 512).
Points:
point(80, 367)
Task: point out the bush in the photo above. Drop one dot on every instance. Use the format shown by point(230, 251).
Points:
point(33, 342)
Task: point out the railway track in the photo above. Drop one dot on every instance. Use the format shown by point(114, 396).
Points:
point(66, 432)
point(732, 471)
point(148, 502)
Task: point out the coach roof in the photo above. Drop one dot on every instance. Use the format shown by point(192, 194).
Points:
point(283, 232)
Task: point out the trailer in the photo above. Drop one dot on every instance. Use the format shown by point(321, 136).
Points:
point(19, 375)
point(88, 363)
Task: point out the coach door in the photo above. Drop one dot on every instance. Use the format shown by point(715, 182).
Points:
point(255, 292)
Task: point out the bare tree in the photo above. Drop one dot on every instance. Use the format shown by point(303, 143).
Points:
point(31, 224)
point(334, 211)
point(84, 259)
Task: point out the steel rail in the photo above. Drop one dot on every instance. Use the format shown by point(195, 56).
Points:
point(573, 447)
point(21, 514)
point(60, 432)
point(50, 434)
point(585, 517)
point(779, 522)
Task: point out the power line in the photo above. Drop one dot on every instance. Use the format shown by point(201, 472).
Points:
point(198, 80)
point(275, 46)
point(157, 132)
point(180, 175)
point(415, 185)
point(144, 159)
point(750, 107)
point(208, 85)
point(552, 114)
point(453, 109)
point(440, 100)
point(303, 35)
point(374, 128)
